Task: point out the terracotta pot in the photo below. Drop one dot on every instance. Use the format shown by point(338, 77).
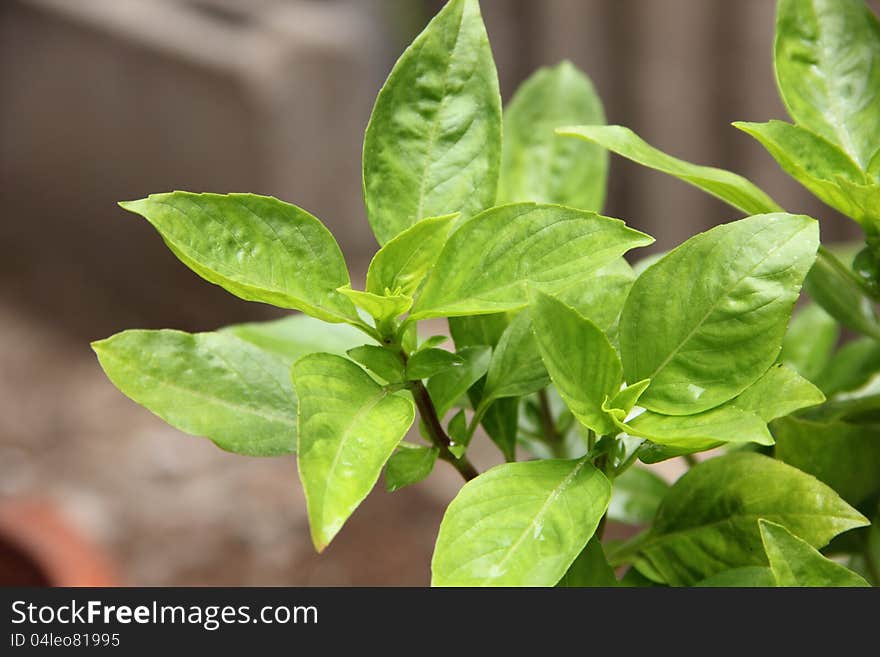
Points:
point(39, 547)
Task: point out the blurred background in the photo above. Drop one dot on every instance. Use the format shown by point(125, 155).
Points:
point(104, 100)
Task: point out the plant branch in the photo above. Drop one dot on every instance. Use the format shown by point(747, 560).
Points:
point(437, 434)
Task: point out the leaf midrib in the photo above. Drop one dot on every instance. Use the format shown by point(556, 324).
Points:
point(714, 305)
point(551, 498)
point(346, 434)
point(201, 395)
point(435, 125)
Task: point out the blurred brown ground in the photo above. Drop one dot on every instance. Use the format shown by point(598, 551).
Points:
point(102, 100)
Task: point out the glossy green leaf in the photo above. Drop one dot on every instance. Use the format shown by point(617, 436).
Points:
point(516, 368)
point(810, 341)
point(348, 428)
point(704, 343)
point(428, 362)
point(383, 362)
point(581, 361)
point(814, 162)
point(707, 523)
point(636, 496)
point(519, 524)
point(600, 298)
point(537, 165)
point(433, 144)
point(379, 306)
point(832, 285)
point(590, 569)
point(256, 247)
point(293, 337)
point(450, 385)
point(844, 455)
point(826, 56)
point(725, 424)
point(745, 577)
point(778, 392)
point(410, 464)
point(852, 366)
point(487, 264)
point(729, 187)
point(795, 562)
point(207, 384)
point(402, 264)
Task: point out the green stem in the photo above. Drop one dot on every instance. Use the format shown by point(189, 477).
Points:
point(369, 330)
point(690, 459)
point(479, 413)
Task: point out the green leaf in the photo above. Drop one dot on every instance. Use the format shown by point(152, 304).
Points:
point(378, 306)
point(702, 431)
point(742, 420)
point(433, 341)
point(450, 385)
point(704, 343)
point(778, 392)
point(207, 384)
point(707, 523)
point(486, 264)
point(458, 432)
point(636, 496)
point(832, 285)
point(348, 428)
point(516, 368)
point(536, 164)
point(519, 524)
point(581, 361)
point(402, 264)
point(814, 162)
point(477, 330)
point(600, 298)
point(433, 144)
point(256, 247)
point(293, 337)
point(626, 399)
point(826, 58)
point(852, 366)
point(745, 577)
point(410, 464)
point(727, 186)
point(795, 562)
point(590, 569)
point(501, 422)
point(810, 341)
point(381, 361)
point(428, 362)
point(844, 455)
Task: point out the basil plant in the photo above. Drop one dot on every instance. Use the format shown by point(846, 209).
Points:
point(581, 369)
